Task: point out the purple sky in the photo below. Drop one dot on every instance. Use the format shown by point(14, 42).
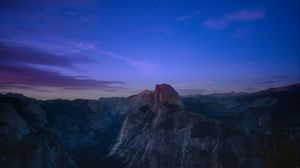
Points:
point(91, 49)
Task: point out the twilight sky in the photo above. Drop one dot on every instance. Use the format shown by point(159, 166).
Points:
point(91, 49)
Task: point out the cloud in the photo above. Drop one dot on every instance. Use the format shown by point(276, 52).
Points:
point(12, 53)
point(226, 20)
point(191, 91)
point(266, 82)
point(62, 51)
point(279, 77)
point(148, 67)
point(255, 81)
point(25, 67)
point(17, 4)
point(45, 16)
point(22, 76)
point(187, 17)
point(249, 89)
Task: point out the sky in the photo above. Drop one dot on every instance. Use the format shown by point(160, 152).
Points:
point(90, 49)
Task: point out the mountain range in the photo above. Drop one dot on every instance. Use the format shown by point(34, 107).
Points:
point(153, 129)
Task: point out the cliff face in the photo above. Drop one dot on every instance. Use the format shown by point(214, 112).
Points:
point(163, 134)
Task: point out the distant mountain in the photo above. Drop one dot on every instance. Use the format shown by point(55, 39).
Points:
point(153, 129)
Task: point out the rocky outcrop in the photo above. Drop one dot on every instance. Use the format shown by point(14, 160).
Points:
point(24, 142)
point(54, 133)
point(36, 115)
point(164, 93)
point(163, 134)
point(13, 126)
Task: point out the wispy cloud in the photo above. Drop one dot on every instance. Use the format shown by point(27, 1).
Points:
point(25, 67)
point(185, 92)
point(22, 76)
point(60, 48)
point(244, 15)
point(279, 77)
point(21, 54)
point(249, 89)
point(255, 81)
point(44, 16)
point(148, 67)
point(187, 17)
point(266, 82)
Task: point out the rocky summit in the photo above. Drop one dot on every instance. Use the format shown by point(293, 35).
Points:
point(168, 136)
point(165, 93)
point(153, 129)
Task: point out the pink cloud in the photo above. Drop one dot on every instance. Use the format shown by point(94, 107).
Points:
point(27, 77)
point(224, 21)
